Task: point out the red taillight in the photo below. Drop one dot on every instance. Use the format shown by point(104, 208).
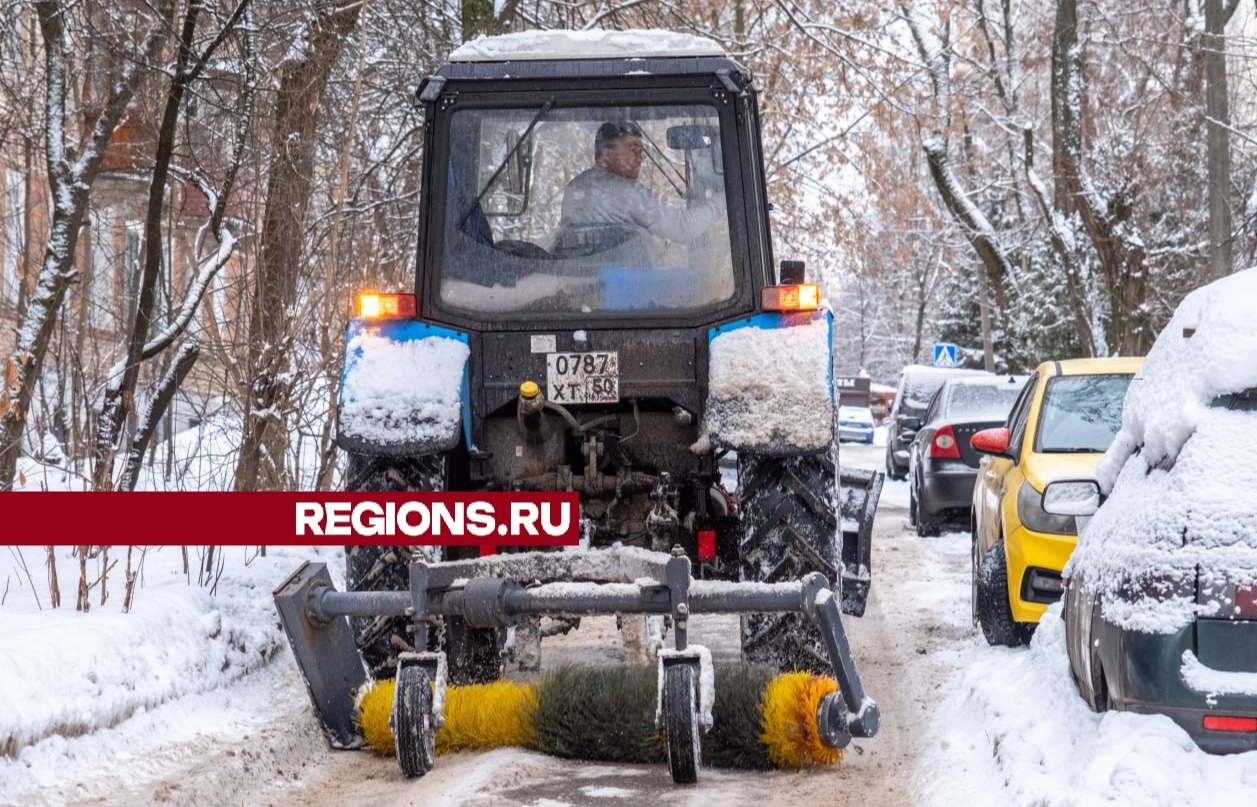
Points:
point(1246, 602)
point(707, 545)
point(1216, 723)
point(801, 297)
point(386, 306)
point(944, 445)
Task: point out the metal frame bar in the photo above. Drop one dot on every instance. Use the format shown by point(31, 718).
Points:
point(315, 616)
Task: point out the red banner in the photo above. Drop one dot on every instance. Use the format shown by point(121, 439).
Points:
point(485, 519)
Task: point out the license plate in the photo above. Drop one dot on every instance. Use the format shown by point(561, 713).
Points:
point(583, 377)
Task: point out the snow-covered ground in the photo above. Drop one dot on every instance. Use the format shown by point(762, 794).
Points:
point(89, 700)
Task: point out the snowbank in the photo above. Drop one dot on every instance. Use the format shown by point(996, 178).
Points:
point(530, 45)
point(65, 674)
point(1020, 710)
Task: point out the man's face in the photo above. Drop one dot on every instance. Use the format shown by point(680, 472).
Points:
point(623, 156)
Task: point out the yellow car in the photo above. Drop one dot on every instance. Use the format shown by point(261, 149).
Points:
point(1063, 421)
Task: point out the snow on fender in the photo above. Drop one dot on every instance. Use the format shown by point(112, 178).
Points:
point(402, 388)
point(769, 384)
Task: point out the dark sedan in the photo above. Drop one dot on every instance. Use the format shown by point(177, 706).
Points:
point(942, 464)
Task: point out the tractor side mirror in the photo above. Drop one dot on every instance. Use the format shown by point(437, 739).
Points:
point(792, 272)
point(692, 136)
point(1072, 497)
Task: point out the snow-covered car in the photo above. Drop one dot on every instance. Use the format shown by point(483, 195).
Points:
point(856, 424)
point(1161, 601)
point(943, 465)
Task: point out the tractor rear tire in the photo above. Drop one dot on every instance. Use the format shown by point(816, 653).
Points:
point(789, 509)
point(474, 654)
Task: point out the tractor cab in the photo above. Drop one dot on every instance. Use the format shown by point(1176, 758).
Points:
point(591, 188)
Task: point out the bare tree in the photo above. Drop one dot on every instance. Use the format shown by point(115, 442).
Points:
point(120, 391)
point(72, 167)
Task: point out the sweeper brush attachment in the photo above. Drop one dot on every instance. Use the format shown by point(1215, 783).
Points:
point(485, 593)
point(761, 719)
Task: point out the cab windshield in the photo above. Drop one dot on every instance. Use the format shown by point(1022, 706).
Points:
point(586, 209)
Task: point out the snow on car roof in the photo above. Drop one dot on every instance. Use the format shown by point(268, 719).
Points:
point(1182, 469)
point(541, 45)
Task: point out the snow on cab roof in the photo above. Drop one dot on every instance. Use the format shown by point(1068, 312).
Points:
point(542, 45)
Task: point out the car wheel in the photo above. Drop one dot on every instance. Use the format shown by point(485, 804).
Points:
point(912, 505)
point(973, 580)
point(927, 527)
point(993, 611)
point(1099, 685)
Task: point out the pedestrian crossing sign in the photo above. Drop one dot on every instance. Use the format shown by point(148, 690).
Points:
point(944, 354)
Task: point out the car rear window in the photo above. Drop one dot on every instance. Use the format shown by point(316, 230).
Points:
point(1245, 401)
point(917, 392)
point(981, 401)
point(1081, 413)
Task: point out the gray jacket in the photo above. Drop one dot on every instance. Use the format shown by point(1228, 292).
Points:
point(598, 197)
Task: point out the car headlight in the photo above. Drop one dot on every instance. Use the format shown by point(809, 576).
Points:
point(1034, 517)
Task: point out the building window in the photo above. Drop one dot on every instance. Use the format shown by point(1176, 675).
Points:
point(102, 299)
point(14, 234)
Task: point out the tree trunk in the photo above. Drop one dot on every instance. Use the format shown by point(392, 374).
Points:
point(1121, 259)
point(1217, 127)
point(302, 80)
point(120, 396)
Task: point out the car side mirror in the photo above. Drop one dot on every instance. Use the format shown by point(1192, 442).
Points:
point(908, 427)
point(1072, 497)
point(992, 441)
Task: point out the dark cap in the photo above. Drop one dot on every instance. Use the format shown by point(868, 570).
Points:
point(609, 132)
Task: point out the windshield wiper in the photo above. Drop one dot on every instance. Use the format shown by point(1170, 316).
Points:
point(541, 113)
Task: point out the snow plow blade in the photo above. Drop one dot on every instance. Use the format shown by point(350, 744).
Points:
point(485, 593)
point(325, 652)
point(860, 490)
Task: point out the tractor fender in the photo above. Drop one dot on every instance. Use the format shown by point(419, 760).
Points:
point(770, 384)
point(404, 388)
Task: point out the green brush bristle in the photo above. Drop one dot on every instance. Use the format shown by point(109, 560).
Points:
point(604, 714)
point(737, 715)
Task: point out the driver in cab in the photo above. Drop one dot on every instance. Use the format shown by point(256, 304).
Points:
point(608, 194)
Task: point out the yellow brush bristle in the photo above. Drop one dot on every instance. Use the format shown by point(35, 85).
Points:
point(789, 721)
point(481, 717)
point(374, 707)
point(486, 716)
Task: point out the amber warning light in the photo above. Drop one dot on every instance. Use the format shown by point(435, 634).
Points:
point(386, 306)
point(800, 297)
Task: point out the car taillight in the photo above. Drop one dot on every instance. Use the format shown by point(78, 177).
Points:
point(386, 306)
point(799, 297)
point(1219, 723)
point(1246, 602)
point(944, 445)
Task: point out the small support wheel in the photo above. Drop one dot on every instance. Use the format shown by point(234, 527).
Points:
point(413, 725)
point(680, 717)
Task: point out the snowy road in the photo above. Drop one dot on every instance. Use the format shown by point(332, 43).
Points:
point(141, 713)
point(256, 744)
